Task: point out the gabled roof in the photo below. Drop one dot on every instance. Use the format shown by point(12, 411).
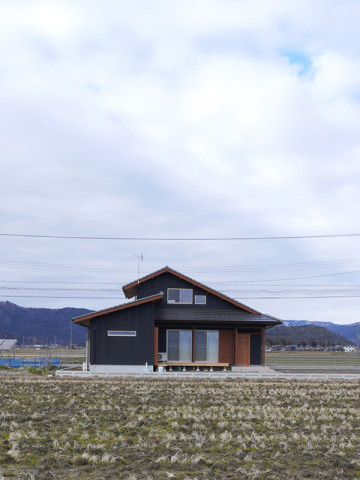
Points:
point(130, 290)
point(84, 320)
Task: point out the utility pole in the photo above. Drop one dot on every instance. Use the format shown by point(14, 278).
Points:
point(140, 259)
point(71, 333)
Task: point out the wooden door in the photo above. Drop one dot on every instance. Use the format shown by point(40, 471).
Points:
point(226, 346)
point(242, 349)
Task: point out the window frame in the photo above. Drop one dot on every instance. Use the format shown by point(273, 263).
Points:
point(174, 302)
point(167, 343)
point(121, 333)
point(218, 346)
point(199, 303)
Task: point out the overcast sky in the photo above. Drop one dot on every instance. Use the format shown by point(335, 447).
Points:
point(181, 119)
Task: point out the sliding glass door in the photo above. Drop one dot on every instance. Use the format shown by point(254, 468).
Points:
point(179, 345)
point(207, 346)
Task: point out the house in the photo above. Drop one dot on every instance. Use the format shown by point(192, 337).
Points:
point(174, 321)
point(349, 349)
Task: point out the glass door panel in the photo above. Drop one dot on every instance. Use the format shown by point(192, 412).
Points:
point(207, 346)
point(200, 346)
point(179, 345)
point(173, 345)
point(212, 346)
point(185, 345)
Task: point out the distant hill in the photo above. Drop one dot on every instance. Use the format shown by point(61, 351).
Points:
point(41, 325)
point(304, 335)
point(349, 331)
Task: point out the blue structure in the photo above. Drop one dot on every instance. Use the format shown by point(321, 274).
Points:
point(29, 362)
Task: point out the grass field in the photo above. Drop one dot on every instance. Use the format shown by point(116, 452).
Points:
point(273, 359)
point(183, 429)
point(313, 359)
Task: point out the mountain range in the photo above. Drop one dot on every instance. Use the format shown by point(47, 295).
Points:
point(304, 335)
point(350, 331)
point(46, 326)
point(41, 325)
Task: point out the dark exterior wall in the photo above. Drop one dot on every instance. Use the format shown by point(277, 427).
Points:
point(137, 350)
point(255, 349)
point(162, 339)
point(246, 329)
point(162, 282)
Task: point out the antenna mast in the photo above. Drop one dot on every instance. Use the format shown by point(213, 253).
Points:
point(140, 259)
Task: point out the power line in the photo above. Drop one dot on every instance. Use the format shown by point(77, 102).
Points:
point(178, 239)
point(297, 297)
point(61, 296)
point(302, 278)
point(240, 294)
point(77, 297)
point(246, 268)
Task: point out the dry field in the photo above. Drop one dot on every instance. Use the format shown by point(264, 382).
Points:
point(183, 429)
point(65, 355)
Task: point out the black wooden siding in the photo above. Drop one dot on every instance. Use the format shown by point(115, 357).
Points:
point(166, 280)
point(137, 350)
point(255, 349)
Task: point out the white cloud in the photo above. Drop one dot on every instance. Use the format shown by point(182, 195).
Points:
point(192, 119)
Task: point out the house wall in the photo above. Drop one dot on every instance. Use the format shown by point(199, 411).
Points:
point(240, 352)
point(242, 349)
point(167, 280)
point(226, 346)
point(237, 346)
point(249, 347)
point(255, 349)
point(105, 350)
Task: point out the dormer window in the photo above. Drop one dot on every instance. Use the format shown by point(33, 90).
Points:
point(180, 295)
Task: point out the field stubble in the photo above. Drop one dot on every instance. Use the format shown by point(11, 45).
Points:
point(66, 356)
point(186, 429)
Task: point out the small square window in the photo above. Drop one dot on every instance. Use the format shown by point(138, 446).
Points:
point(200, 299)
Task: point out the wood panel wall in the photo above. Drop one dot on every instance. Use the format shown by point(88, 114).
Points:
point(242, 349)
point(226, 346)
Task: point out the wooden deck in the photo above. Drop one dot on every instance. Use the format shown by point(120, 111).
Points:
point(196, 365)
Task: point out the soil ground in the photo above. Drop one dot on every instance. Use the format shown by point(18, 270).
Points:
point(187, 429)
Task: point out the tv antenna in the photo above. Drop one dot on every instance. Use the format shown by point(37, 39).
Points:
point(140, 259)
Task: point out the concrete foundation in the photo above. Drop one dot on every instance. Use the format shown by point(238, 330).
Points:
point(252, 369)
point(213, 375)
point(114, 369)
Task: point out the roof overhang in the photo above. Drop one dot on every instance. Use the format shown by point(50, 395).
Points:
point(84, 320)
point(220, 317)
